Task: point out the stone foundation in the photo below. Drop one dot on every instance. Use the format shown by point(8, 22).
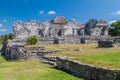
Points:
point(60, 40)
point(21, 52)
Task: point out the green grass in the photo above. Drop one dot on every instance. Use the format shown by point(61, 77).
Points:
point(90, 54)
point(65, 46)
point(34, 70)
point(31, 70)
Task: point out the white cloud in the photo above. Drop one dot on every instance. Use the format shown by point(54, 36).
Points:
point(112, 21)
point(3, 30)
point(116, 12)
point(4, 20)
point(51, 12)
point(42, 11)
point(1, 25)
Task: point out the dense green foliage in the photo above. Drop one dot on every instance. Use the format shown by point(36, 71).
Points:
point(115, 30)
point(6, 37)
point(32, 40)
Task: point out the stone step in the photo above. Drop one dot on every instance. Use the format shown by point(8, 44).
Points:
point(49, 62)
point(49, 59)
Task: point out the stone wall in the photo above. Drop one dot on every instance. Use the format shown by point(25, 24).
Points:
point(21, 52)
point(105, 43)
point(60, 40)
point(86, 71)
point(109, 42)
point(96, 28)
point(59, 27)
point(69, 40)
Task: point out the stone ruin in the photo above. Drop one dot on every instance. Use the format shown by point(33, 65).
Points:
point(96, 28)
point(60, 29)
point(56, 31)
point(109, 42)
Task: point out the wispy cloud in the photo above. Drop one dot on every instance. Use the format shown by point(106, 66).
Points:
point(42, 11)
point(4, 20)
point(112, 21)
point(51, 12)
point(3, 30)
point(116, 12)
point(1, 25)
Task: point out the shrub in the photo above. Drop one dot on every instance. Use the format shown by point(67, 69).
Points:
point(32, 40)
point(6, 37)
point(115, 28)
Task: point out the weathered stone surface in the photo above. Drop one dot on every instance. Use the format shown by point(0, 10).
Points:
point(88, 72)
point(105, 43)
point(24, 29)
point(96, 28)
point(49, 30)
point(117, 42)
point(109, 42)
point(21, 52)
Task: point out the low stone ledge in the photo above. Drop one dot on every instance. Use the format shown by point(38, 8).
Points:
point(22, 52)
point(106, 43)
point(88, 72)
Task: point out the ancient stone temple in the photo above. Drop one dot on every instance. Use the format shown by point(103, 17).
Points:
point(65, 31)
point(56, 31)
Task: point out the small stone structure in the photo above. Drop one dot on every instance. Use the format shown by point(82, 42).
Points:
point(17, 50)
point(109, 42)
point(21, 52)
point(105, 44)
point(88, 72)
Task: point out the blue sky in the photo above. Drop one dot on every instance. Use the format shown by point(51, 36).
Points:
point(82, 10)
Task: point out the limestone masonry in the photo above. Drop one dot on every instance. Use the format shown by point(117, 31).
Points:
point(60, 30)
point(88, 72)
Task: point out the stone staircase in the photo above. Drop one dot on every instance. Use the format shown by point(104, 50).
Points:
point(51, 60)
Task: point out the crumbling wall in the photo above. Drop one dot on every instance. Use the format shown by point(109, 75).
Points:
point(88, 72)
point(109, 42)
point(17, 50)
point(21, 52)
point(105, 43)
point(96, 28)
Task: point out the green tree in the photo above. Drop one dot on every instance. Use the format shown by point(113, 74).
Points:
point(10, 36)
point(32, 40)
point(6, 37)
point(115, 28)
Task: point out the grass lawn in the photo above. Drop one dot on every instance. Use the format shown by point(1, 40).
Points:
point(31, 70)
point(90, 54)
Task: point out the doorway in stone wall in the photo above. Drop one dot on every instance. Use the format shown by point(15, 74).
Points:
point(41, 33)
point(59, 33)
point(56, 41)
point(78, 32)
